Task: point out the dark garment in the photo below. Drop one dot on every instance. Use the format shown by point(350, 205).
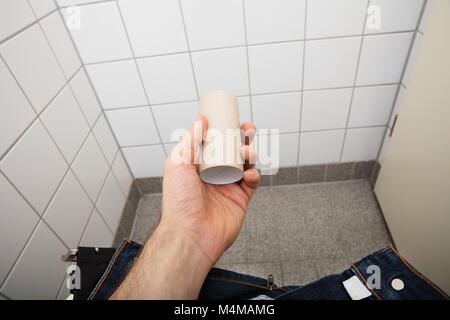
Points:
point(92, 263)
point(222, 284)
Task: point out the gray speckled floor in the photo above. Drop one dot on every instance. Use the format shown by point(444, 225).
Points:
point(297, 233)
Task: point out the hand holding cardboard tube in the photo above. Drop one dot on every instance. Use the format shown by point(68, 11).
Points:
point(221, 161)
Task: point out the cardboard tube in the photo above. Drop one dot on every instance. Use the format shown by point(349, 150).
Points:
point(221, 161)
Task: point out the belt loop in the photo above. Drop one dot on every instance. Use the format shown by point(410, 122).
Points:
point(270, 282)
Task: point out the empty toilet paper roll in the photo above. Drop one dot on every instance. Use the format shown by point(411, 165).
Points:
point(221, 161)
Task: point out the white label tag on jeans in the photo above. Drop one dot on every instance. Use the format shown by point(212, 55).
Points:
point(356, 289)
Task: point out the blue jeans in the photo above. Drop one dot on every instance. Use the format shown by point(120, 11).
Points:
point(223, 284)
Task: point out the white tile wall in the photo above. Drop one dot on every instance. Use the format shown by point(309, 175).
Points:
point(117, 84)
point(224, 69)
point(97, 233)
point(168, 78)
point(42, 7)
point(331, 63)
point(147, 161)
point(277, 111)
point(175, 119)
point(325, 109)
point(276, 67)
point(48, 110)
point(17, 221)
point(85, 96)
point(66, 123)
point(383, 58)
point(34, 66)
point(343, 18)
point(69, 211)
point(91, 167)
point(145, 21)
point(35, 166)
point(61, 44)
point(274, 20)
point(320, 146)
point(133, 126)
point(111, 202)
point(398, 15)
point(16, 112)
point(39, 271)
point(253, 49)
point(213, 23)
point(101, 35)
point(14, 15)
point(372, 106)
point(362, 144)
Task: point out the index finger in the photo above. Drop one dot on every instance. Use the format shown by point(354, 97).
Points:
point(248, 130)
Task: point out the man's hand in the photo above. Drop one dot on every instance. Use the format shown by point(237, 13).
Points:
point(199, 222)
point(211, 215)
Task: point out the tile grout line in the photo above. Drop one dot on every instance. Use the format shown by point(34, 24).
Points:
point(358, 61)
point(302, 91)
point(188, 48)
point(249, 45)
point(140, 77)
point(102, 111)
point(408, 56)
point(248, 59)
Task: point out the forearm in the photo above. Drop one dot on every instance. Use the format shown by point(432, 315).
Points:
point(170, 266)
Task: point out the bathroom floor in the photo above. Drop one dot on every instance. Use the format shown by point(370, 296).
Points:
point(297, 233)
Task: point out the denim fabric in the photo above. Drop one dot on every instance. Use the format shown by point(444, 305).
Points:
point(118, 267)
point(222, 284)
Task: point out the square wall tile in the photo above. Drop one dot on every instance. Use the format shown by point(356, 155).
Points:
point(122, 174)
point(85, 96)
point(245, 112)
point(16, 112)
point(276, 67)
point(331, 18)
point(168, 78)
point(63, 3)
point(145, 22)
point(213, 23)
point(224, 69)
point(42, 7)
point(274, 20)
point(362, 144)
point(66, 123)
point(111, 202)
point(35, 166)
point(97, 233)
point(146, 162)
point(383, 58)
point(398, 15)
point(14, 15)
point(325, 109)
point(174, 119)
point(372, 105)
point(320, 147)
point(34, 66)
point(117, 84)
point(425, 15)
point(331, 63)
point(69, 211)
point(133, 126)
point(384, 146)
point(16, 224)
point(277, 111)
point(42, 256)
point(105, 139)
point(100, 39)
point(61, 44)
point(288, 149)
point(91, 167)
